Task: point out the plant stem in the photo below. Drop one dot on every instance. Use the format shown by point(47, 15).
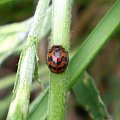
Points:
point(19, 107)
point(60, 36)
point(57, 97)
point(61, 14)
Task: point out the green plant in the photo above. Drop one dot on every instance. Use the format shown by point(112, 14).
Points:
point(82, 58)
point(73, 78)
point(19, 107)
point(60, 36)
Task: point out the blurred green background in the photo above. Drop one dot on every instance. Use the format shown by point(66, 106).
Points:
point(15, 21)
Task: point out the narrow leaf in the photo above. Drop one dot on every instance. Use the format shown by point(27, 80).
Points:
point(94, 43)
point(38, 109)
point(88, 96)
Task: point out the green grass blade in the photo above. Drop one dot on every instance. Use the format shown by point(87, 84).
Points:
point(4, 103)
point(11, 34)
point(87, 95)
point(94, 42)
point(7, 81)
point(38, 109)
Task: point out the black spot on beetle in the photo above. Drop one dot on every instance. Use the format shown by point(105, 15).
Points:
point(58, 63)
point(57, 49)
point(64, 66)
point(59, 68)
point(57, 46)
point(52, 67)
point(64, 58)
point(50, 58)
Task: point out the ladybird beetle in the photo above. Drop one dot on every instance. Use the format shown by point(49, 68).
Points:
point(57, 59)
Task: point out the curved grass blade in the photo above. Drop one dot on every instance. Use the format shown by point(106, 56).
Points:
point(94, 43)
point(38, 109)
point(88, 96)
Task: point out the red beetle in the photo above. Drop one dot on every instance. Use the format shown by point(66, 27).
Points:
point(57, 59)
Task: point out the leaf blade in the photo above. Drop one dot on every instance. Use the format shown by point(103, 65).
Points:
point(94, 42)
point(88, 96)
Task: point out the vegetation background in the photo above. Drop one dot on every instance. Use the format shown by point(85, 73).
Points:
point(105, 69)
